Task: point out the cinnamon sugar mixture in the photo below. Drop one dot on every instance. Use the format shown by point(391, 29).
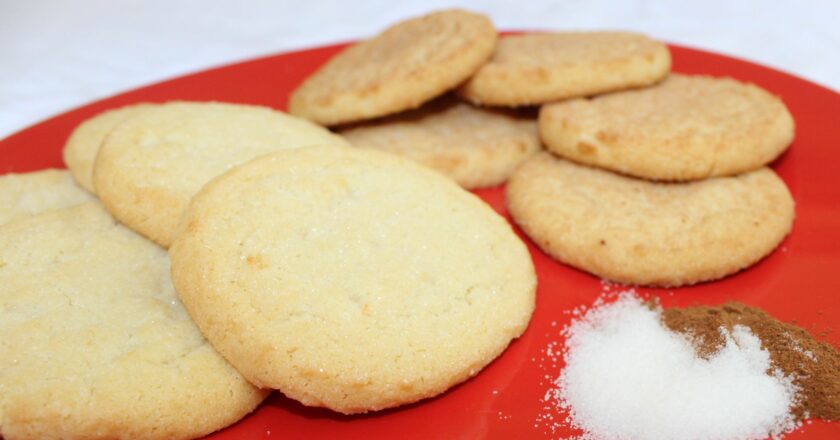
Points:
point(813, 365)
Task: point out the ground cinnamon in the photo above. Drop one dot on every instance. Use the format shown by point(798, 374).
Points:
point(814, 365)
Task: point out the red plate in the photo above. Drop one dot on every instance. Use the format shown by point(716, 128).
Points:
point(798, 282)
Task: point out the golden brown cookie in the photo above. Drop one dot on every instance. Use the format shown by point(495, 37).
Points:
point(150, 165)
point(83, 144)
point(534, 69)
point(640, 232)
point(475, 147)
point(408, 64)
point(687, 127)
point(94, 342)
point(351, 279)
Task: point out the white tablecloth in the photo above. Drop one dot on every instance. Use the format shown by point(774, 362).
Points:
point(58, 54)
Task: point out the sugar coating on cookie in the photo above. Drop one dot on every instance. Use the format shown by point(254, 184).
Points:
point(640, 232)
point(475, 147)
point(150, 165)
point(83, 143)
point(686, 128)
point(94, 342)
point(27, 194)
point(351, 279)
point(408, 64)
point(534, 69)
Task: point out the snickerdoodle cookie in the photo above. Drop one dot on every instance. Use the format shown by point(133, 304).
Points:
point(408, 64)
point(474, 146)
point(686, 128)
point(640, 232)
point(534, 69)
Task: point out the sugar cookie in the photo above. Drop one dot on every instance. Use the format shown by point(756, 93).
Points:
point(150, 166)
point(26, 194)
point(94, 342)
point(83, 144)
point(351, 279)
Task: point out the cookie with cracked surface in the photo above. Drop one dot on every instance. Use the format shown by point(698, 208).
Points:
point(94, 342)
point(351, 279)
point(533, 69)
point(640, 232)
point(686, 128)
point(406, 65)
point(27, 194)
point(150, 165)
point(476, 147)
point(84, 142)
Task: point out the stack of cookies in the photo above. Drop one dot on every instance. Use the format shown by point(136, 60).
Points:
point(665, 185)
point(94, 340)
point(235, 250)
point(651, 179)
point(339, 276)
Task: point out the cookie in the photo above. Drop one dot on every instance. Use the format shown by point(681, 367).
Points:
point(26, 194)
point(686, 128)
point(640, 232)
point(408, 64)
point(150, 166)
point(534, 69)
point(94, 342)
point(351, 279)
point(83, 144)
point(475, 147)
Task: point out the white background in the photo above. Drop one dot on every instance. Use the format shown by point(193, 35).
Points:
point(56, 55)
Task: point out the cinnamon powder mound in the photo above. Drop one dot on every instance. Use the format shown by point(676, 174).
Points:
point(814, 365)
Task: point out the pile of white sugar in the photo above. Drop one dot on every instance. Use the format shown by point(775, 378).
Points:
point(627, 376)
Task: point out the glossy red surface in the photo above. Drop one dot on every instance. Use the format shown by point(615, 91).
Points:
point(798, 282)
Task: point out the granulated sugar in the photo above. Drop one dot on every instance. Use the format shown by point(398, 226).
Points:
point(628, 377)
